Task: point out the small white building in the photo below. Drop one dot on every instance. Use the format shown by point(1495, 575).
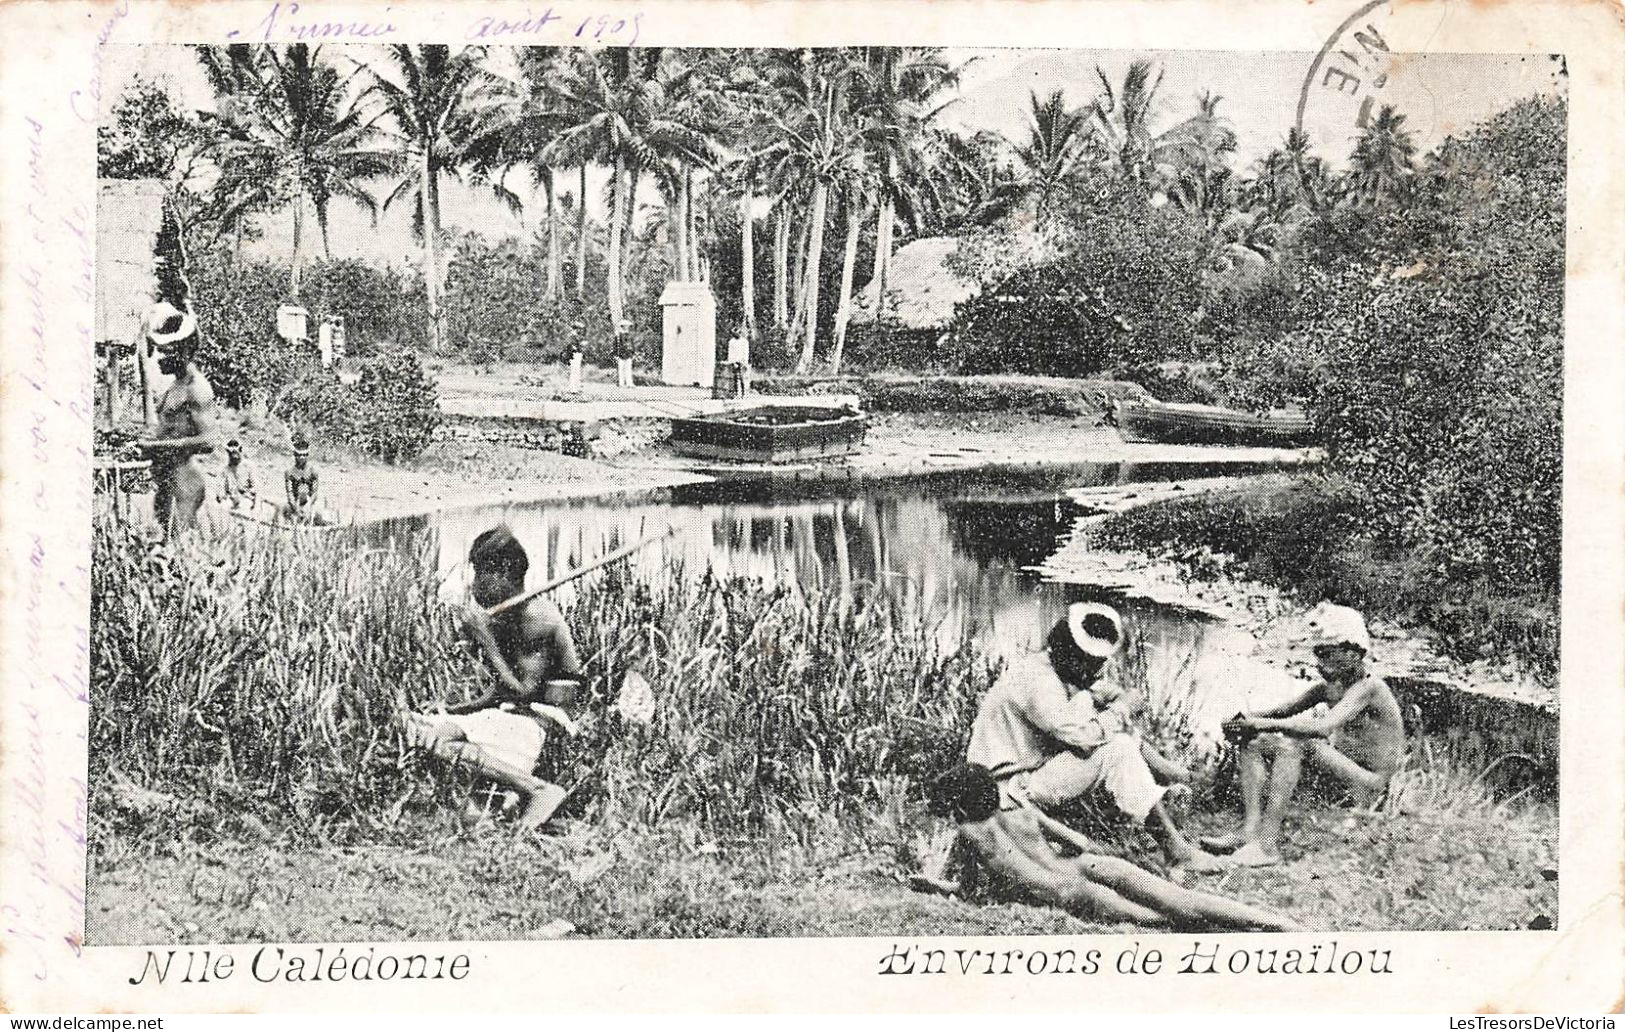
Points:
point(688, 354)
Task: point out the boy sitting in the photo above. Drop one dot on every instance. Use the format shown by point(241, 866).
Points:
point(1033, 856)
point(1348, 726)
point(500, 734)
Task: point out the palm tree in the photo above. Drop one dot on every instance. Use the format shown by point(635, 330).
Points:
point(1122, 123)
point(1383, 160)
point(744, 130)
point(1200, 147)
point(818, 141)
point(897, 96)
point(1057, 143)
point(856, 203)
point(1122, 118)
point(628, 108)
point(981, 181)
point(440, 101)
point(1196, 175)
point(289, 129)
point(521, 135)
point(1290, 177)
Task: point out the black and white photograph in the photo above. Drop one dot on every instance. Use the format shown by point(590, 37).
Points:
point(638, 492)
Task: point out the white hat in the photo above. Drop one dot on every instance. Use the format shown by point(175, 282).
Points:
point(1338, 625)
point(167, 324)
point(1103, 645)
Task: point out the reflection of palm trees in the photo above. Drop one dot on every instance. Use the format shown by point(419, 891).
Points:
point(910, 548)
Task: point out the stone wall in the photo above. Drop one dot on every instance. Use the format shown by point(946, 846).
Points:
point(893, 393)
point(594, 439)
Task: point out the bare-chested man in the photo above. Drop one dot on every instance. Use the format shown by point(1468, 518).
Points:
point(1348, 727)
point(528, 647)
point(237, 490)
point(301, 482)
point(186, 421)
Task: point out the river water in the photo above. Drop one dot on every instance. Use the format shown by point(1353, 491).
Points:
point(956, 545)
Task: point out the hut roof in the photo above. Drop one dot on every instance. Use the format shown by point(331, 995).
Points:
point(129, 213)
point(922, 289)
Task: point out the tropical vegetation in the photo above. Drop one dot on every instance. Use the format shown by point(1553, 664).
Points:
point(1411, 301)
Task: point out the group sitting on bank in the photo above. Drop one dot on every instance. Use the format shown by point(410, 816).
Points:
point(1054, 729)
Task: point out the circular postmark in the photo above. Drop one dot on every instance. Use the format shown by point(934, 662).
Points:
point(1409, 57)
point(1348, 75)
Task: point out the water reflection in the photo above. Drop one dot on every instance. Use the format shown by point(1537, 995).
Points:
point(956, 547)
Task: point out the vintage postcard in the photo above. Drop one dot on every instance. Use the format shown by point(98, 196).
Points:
point(781, 506)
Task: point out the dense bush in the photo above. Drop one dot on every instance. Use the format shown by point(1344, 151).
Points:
point(497, 309)
point(1311, 538)
point(396, 408)
point(1440, 389)
point(380, 307)
point(236, 303)
point(317, 402)
point(1124, 287)
point(391, 411)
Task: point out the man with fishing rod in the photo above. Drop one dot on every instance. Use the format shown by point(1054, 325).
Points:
point(538, 674)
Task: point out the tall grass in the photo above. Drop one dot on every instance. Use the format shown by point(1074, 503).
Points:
point(270, 673)
point(265, 671)
point(771, 703)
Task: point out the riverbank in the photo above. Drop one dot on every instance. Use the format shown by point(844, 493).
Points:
point(456, 472)
point(1276, 545)
point(778, 789)
point(1255, 554)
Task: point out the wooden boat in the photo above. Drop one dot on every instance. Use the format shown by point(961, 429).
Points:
point(1159, 422)
point(771, 433)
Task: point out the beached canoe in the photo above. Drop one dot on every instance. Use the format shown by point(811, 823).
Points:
point(771, 433)
point(1159, 422)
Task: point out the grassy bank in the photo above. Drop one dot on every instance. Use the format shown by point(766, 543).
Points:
point(1305, 537)
point(266, 676)
point(250, 781)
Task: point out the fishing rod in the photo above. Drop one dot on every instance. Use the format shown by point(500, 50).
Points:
point(613, 557)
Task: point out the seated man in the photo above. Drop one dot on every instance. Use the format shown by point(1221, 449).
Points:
point(1048, 733)
point(528, 646)
point(237, 483)
point(1032, 856)
point(1348, 726)
point(301, 482)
